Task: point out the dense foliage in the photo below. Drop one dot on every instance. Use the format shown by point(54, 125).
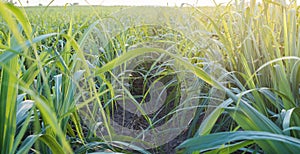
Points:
point(245, 59)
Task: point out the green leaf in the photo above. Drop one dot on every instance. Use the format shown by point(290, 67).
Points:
point(52, 144)
point(230, 148)
point(21, 18)
point(10, 53)
point(47, 139)
point(217, 140)
point(8, 106)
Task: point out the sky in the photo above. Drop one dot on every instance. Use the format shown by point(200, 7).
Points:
point(122, 2)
